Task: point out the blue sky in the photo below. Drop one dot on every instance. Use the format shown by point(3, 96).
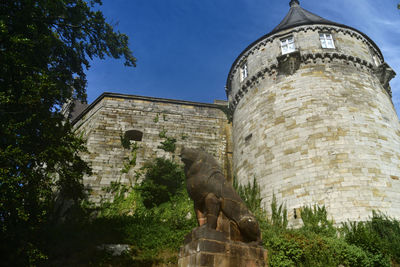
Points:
point(185, 48)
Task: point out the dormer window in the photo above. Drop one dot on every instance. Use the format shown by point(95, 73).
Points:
point(243, 72)
point(326, 40)
point(287, 45)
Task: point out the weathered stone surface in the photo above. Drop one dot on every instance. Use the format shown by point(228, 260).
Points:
point(324, 133)
point(201, 249)
point(314, 127)
point(196, 125)
point(114, 249)
point(216, 203)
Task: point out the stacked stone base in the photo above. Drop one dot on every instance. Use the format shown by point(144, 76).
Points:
point(207, 247)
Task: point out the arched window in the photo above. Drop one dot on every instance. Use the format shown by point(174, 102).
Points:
point(133, 135)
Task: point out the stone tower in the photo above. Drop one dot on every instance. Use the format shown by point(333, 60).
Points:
point(313, 119)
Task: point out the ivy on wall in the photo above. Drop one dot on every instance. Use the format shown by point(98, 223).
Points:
point(169, 143)
point(131, 160)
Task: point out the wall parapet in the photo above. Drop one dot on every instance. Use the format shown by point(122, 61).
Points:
point(146, 98)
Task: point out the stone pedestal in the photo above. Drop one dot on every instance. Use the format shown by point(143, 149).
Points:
point(208, 247)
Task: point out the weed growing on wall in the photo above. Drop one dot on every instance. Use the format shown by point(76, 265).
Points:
point(125, 142)
point(156, 118)
point(124, 202)
point(130, 162)
point(169, 143)
point(184, 136)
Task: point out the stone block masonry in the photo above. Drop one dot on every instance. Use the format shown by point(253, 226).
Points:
point(314, 124)
point(107, 119)
point(317, 126)
point(210, 248)
point(319, 141)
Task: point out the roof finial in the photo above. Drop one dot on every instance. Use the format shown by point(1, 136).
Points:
point(294, 3)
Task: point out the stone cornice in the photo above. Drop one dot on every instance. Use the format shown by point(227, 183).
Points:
point(269, 39)
point(383, 72)
point(145, 98)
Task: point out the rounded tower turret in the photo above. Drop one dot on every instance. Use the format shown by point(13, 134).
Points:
point(313, 119)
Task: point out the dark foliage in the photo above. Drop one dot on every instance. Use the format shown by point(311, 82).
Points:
point(316, 243)
point(153, 234)
point(45, 47)
point(162, 180)
point(380, 236)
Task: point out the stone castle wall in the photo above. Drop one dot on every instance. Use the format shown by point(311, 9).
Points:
point(318, 126)
point(195, 125)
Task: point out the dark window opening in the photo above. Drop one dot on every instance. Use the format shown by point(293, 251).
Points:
point(133, 135)
point(248, 138)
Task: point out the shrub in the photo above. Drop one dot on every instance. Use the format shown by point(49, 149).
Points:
point(315, 244)
point(300, 247)
point(153, 232)
point(168, 145)
point(315, 220)
point(163, 178)
point(388, 230)
point(250, 194)
point(278, 214)
point(380, 237)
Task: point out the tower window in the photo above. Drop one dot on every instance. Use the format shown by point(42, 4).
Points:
point(326, 40)
point(287, 45)
point(248, 138)
point(243, 72)
point(376, 60)
point(133, 135)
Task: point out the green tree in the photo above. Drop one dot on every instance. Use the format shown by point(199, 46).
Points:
point(45, 48)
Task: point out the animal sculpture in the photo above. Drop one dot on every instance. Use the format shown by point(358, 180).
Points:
point(212, 194)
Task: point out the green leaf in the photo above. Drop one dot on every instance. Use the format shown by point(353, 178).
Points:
point(45, 50)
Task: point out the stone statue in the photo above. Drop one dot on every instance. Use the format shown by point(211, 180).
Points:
point(215, 197)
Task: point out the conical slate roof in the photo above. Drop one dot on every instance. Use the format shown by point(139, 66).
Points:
point(299, 16)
